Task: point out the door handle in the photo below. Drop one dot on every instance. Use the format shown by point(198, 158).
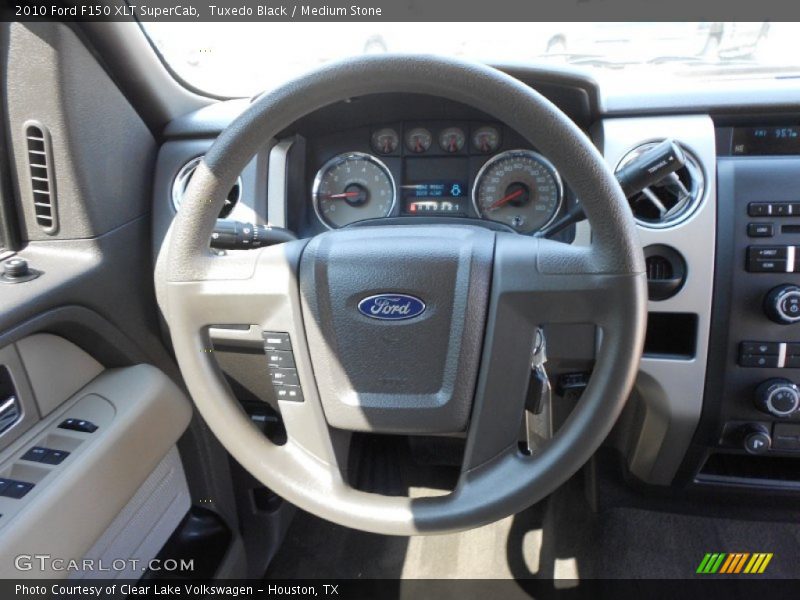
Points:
point(10, 413)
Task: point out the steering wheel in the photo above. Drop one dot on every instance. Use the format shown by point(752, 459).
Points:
point(459, 363)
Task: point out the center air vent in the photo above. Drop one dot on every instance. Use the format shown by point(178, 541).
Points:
point(181, 182)
point(671, 200)
point(40, 168)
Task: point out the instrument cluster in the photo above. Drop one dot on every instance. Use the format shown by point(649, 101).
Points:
point(470, 169)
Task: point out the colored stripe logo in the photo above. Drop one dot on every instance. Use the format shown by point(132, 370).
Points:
point(720, 563)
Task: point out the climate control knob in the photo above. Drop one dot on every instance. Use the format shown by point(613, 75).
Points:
point(778, 397)
point(782, 304)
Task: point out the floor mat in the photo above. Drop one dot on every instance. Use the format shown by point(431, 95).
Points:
point(558, 539)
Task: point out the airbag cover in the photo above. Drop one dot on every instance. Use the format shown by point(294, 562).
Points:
point(395, 317)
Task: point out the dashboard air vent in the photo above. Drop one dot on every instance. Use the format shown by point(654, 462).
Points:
point(671, 200)
point(40, 168)
point(181, 182)
point(666, 271)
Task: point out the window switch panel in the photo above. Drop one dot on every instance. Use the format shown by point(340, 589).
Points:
point(54, 457)
point(35, 454)
point(16, 489)
point(78, 425)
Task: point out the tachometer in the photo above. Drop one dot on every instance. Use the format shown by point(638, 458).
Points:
point(519, 188)
point(352, 187)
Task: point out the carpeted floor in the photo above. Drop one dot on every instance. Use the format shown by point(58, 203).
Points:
point(557, 539)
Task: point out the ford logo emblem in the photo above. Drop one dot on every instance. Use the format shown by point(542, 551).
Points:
point(391, 307)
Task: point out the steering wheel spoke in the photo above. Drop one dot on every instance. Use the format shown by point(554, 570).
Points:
point(535, 283)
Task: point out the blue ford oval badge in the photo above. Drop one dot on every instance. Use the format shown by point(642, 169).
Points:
point(391, 307)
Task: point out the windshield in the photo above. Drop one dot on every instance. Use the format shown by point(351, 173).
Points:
point(243, 59)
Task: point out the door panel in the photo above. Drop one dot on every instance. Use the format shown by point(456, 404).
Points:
point(137, 415)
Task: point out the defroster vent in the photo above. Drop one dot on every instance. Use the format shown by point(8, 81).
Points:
point(42, 177)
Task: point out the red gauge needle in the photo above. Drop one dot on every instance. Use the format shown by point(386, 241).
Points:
point(507, 199)
point(342, 195)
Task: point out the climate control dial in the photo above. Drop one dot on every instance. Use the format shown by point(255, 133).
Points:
point(782, 304)
point(778, 397)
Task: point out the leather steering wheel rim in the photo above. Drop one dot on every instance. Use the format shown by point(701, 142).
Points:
point(534, 281)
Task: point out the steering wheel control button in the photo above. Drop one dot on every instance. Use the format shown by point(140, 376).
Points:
point(757, 442)
point(782, 304)
point(760, 230)
point(274, 340)
point(778, 397)
point(284, 376)
point(280, 359)
point(16, 489)
point(289, 392)
point(78, 425)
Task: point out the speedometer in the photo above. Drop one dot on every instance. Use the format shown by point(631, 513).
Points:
point(353, 187)
point(519, 188)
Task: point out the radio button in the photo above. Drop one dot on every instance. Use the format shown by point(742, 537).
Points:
point(762, 229)
point(767, 252)
point(766, 266)
point(759, 209)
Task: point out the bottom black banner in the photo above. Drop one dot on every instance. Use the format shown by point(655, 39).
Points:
point(727, 588)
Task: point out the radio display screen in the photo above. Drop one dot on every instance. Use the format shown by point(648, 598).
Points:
point(772, 140)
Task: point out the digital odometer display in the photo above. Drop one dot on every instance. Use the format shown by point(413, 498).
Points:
point(435, 197)
point(748, 141)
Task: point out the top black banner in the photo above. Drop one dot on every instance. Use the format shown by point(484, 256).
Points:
point(398, 10)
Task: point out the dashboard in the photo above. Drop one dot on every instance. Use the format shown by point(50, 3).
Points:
point(699, 399)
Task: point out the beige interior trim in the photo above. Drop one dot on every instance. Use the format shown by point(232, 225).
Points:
point(56, 369)
point(140, 414)
point(143, 527)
